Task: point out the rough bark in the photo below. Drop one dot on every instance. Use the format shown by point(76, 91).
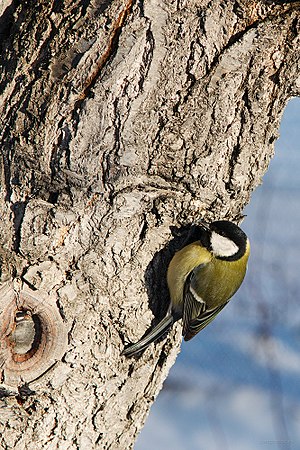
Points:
point(122, 123)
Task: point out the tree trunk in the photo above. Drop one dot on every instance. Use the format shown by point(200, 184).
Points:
point(122, 123)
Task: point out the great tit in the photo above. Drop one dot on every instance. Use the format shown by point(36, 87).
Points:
point(201, 277)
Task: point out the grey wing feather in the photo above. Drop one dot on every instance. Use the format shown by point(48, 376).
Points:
point(202, 321)
point(196, 316)
point(192, 308)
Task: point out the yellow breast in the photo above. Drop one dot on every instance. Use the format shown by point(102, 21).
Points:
point(215, 280)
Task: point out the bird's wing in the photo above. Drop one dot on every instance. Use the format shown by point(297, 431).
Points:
point(196, 316)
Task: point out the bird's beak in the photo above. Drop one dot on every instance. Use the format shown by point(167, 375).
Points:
point(204, 226)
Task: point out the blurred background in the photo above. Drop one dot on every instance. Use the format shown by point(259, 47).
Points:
point(236, 386)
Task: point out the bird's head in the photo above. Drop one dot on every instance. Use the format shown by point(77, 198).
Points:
point(224, 239)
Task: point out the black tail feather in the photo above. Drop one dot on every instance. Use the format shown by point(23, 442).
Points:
point(161, 328)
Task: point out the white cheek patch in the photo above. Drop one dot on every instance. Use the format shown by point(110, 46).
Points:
point(222, 246)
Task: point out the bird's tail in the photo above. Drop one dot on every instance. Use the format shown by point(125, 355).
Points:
point(161, 328)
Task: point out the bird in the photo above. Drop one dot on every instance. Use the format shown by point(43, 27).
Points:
point(202, 277)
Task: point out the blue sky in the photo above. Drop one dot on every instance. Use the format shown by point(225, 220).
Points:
point(236, 386)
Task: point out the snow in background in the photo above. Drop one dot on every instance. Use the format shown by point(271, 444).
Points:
point(236, 386)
